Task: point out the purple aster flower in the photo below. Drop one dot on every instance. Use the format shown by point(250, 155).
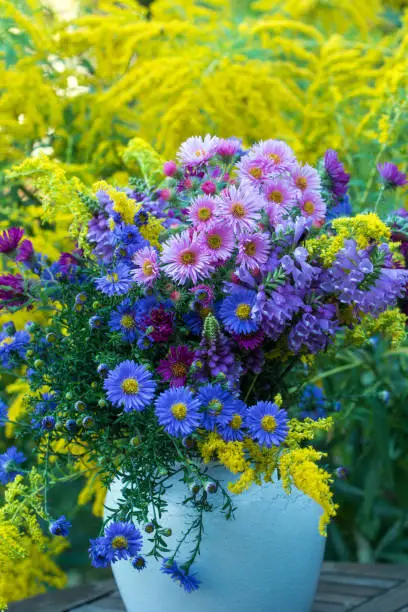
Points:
point(338, 179)
point(130, 386)
point(12, 291)
point(216, 404)
point(146, 270)
point(236, 312)
point(9, 465)
point(280, 194)
point(3, 413)
point(60, 527)
point(267, 424)
point(312, 206)
point(178, 411)
point(391, 176)
point(278, 156)
point(69, 262)
point(253, 171)
point(10, 239)
point(25, 252)
point(218, 242)
point(123, 540)
point(228, 147)
point(116, 282)
point(306, 178)
point(196, 150)
point(176, 365)
point(184, 258)
point(189, 582)
point(201, 212)
point(99, 552)
point(253, 250)
point(123, 320)
point(234, 430)
point(240, 208)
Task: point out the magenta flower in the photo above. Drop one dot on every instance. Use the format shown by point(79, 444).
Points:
point(249, 342)
point(306, 178)
point(176, 365)
point(12, 290)
point(392, 177)
point(337, 176)
point(197, 150)
point(228, 147)
point(253, 250)
point(10, 239)
point(184, 258)
point(312, 206)
point(146, 269)
point(203, 294)
point(240, 208)
point(218, 242)
point(170, 168)
point(208, 187)
point(68, 262)
point(25, 251)
point(202, 212)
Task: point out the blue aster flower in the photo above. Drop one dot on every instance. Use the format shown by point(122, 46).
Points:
point(267, 424)
point(123, 540)
point(3, 413)
point(234, 429)
point(236, 312)
point(189, 582)
point(178, 411)
point(48, 423)
point(130, 386)
point(313, 403)
point(60, 527)
point(116, 282)
point(123, 319)
point(9, 462)
point(13, 345)
point(99, 552)
point(139, 563)
point(217, 405)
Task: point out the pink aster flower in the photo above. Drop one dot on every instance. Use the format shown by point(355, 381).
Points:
point(228, 147)
point(196, 150)
point(312, 206)
point(9, 239)
point(240, 208)
point(146, 263)
point(278, 156)
point(280, 195)
point(176, 365)
point(202, 212)
point(306, 178)
point(185, 259)
point(253, 250)
point(218, 242)
point(252, 170)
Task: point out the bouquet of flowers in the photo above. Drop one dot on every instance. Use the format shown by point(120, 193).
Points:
point(173, 327)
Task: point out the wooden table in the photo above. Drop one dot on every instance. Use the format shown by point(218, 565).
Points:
point(342, 587)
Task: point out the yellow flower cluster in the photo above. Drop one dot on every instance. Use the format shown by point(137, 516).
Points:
point(297, 466)
point(27, 565)
point(391, 324)
point(363, 228)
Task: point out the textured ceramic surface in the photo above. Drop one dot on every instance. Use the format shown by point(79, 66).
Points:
point(265, 560)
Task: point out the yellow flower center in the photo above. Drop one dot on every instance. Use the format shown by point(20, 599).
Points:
point(188, 257)
point(250, 248)
point(199, 153)
point(308, 207)
point(301, 182)
point(204, 214)
point(130, 386)
point(204, 312)
point(119, 542)
point(147, 267)
point(127, 321)
point(215, 405)
point(276, 196)
point(214, 241)
point(236, 421)
point(243, 311)
point(179, 411)
point(256, 172)
point(113, 277)
point(178, 369)
point(268, 423)
point(7, 340)
point(238, 210)
point(274, 157)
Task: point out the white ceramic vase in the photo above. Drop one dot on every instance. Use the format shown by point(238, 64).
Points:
point(267, 559)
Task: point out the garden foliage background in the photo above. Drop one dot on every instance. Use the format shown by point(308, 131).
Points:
point(316, 73)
